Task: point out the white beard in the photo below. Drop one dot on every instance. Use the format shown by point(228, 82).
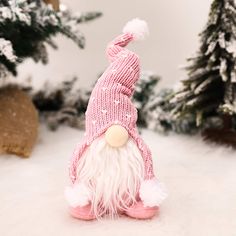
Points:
point(112, 175)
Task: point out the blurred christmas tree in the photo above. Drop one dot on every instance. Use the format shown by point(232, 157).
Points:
point(144, 89)
point(26, 26)
point(62, 104)
point(158, 113)
point(210, 89)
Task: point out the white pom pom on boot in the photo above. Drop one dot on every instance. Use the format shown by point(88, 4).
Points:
point(152, 192)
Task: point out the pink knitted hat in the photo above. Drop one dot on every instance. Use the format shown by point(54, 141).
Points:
point(110, 101)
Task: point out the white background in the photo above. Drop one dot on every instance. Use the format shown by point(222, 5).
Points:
point(174, 28)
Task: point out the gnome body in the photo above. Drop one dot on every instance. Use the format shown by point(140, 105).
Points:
point(111, 169)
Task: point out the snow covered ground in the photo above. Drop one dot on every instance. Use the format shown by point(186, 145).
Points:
point(201, 180)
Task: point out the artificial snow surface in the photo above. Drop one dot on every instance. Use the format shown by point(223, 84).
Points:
point(201, 181)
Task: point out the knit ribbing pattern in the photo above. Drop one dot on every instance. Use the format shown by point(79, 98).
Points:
point(110, 102)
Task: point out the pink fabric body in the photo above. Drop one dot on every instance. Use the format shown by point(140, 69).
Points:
point(110, 103)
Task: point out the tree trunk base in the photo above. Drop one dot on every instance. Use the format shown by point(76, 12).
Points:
point(225, 137)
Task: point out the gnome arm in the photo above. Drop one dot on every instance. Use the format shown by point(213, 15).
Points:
point(147, 156)
point(78, 151)
point(152, 192)
point(77, 194)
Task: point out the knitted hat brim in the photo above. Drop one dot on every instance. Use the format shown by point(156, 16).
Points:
point(84, 144)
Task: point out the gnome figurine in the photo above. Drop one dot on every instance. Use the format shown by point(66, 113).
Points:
point(111, 169)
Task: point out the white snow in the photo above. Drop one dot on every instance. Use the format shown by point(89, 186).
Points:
point(7, 50)
point(233, 76)
point(200, 178)
point(223, 69)
point(211, 47)
point(5, 13)
point(221, 40)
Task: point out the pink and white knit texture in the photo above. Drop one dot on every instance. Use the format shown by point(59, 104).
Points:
point(110, 103)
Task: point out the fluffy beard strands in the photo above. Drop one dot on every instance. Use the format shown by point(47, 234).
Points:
point(112, 176)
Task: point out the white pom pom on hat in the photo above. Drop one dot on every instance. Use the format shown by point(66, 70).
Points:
point(138, 28)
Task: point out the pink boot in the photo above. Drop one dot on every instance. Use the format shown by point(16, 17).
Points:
point(82, 213)
point(139, 211)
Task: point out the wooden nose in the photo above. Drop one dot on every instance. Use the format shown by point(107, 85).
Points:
point(116, 136)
